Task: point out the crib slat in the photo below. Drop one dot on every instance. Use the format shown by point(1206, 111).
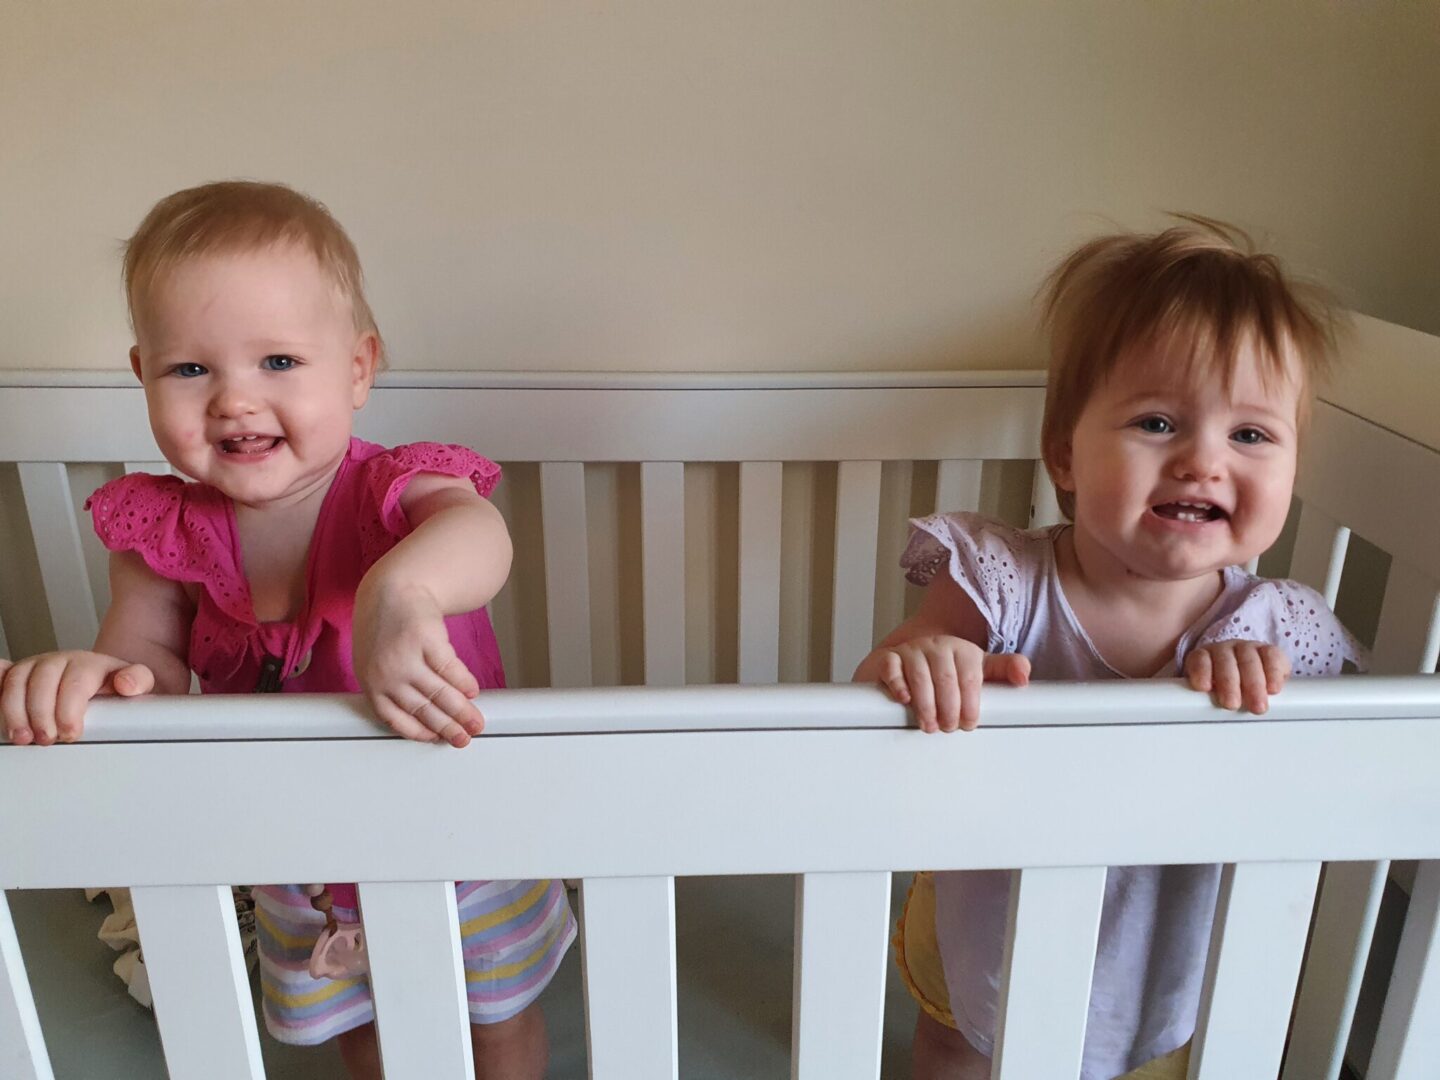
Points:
point(840, 957)
point(628, 958)
point(57, 545)
point(198, 978)
point(662, 557)
point(22, 1046)
point(1407, 1044)
point(1330, 984)
point(4, 644)
point(1044, 507)
point(1261, 919)
point(1045, 981)
point(417, 978)
point(957, 486)
point(1408, 636)
point(857, 542)
point(759, 608)
point(1319, 554)
point(567, 572)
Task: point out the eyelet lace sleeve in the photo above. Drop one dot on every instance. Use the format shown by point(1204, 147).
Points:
point(176, 527)
point(1295, 617)
point(994, 563)
point(389, 473)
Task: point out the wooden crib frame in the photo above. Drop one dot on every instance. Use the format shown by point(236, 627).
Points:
point(643, 784)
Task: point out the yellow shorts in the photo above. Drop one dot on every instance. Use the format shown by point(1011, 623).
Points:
point(917, 955)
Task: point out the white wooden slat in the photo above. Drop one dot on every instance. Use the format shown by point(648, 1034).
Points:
point(1319, 553)
point(412, 935)
point(1408, 637)
point(567, 572)
point(57, 545)
point(1054, 924)
point(22, 1046)
point(1407, 1044)
point(1044, 507)
point(1340, 939)
point(628, 959)
point(759, 604)
point(1252, 566)
point(154, 468)
point(841, 932)
point(662, 560)
point(1261, 919)
point(199, 982)
point(857, 538)
point(957, 485)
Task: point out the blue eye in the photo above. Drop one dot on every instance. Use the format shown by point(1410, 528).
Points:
point(1155, 425)
point(1250, 436)
point(188, 371)
point(278, 363)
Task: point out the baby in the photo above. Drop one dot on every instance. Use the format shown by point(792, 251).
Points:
point(297, 558)
point(1183, 366)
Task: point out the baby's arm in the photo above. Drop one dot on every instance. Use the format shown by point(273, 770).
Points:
point(454, 560)
point(141, 647)
point(935, 661)
point(1238, 672)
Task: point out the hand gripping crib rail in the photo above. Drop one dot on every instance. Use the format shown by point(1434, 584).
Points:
point(648, 783)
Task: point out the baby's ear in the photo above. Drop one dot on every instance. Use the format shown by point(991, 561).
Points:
point(364, 364)
point(135, 362)
point(1057, 461)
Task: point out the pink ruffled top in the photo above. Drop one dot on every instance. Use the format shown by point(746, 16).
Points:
point(186, 532)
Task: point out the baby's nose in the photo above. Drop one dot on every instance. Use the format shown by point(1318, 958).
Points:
point(231, 398)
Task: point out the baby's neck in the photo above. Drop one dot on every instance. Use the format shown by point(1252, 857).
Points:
point(274, 552)
point(1134, 622)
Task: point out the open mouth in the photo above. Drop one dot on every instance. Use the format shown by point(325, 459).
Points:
point(250, 444)
point(1195, 513)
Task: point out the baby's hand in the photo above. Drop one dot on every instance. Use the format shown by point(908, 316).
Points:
point(408, 668)
point(939, 677)
point(1238, 673)
point(43, 698)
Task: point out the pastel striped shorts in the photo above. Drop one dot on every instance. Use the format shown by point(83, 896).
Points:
point(513, 935)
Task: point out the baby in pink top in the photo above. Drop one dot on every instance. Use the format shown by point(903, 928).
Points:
point(297, 558)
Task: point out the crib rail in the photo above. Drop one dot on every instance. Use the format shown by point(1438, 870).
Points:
point(652, 784)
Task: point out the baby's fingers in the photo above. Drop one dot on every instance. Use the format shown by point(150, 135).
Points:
point(459, 686)
point(1226, 678)
point(399, 720)
point(132, 680)
point(1277, 667)
point(1199, 671)
point(1254, 686)
point(922, 690)
point(1007, 667)
point(892, 678)
point(12, 704)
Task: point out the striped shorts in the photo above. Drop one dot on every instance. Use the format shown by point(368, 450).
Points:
point(513, 935)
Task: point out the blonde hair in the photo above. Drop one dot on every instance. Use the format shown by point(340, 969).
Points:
point(240, 216)
point(1198, 290)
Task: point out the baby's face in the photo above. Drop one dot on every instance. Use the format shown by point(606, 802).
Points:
point(253, 369)
point(1171, 480)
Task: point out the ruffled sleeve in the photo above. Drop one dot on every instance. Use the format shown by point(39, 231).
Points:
point(179, 529)
point(1295, 617)
point(994, 563)
point(389, 473)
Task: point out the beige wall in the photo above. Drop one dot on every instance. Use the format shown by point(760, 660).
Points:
point(740, 185)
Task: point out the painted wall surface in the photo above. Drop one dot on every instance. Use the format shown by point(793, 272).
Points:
point(717, 184)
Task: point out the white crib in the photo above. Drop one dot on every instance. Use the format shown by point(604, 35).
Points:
point(825, 782)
